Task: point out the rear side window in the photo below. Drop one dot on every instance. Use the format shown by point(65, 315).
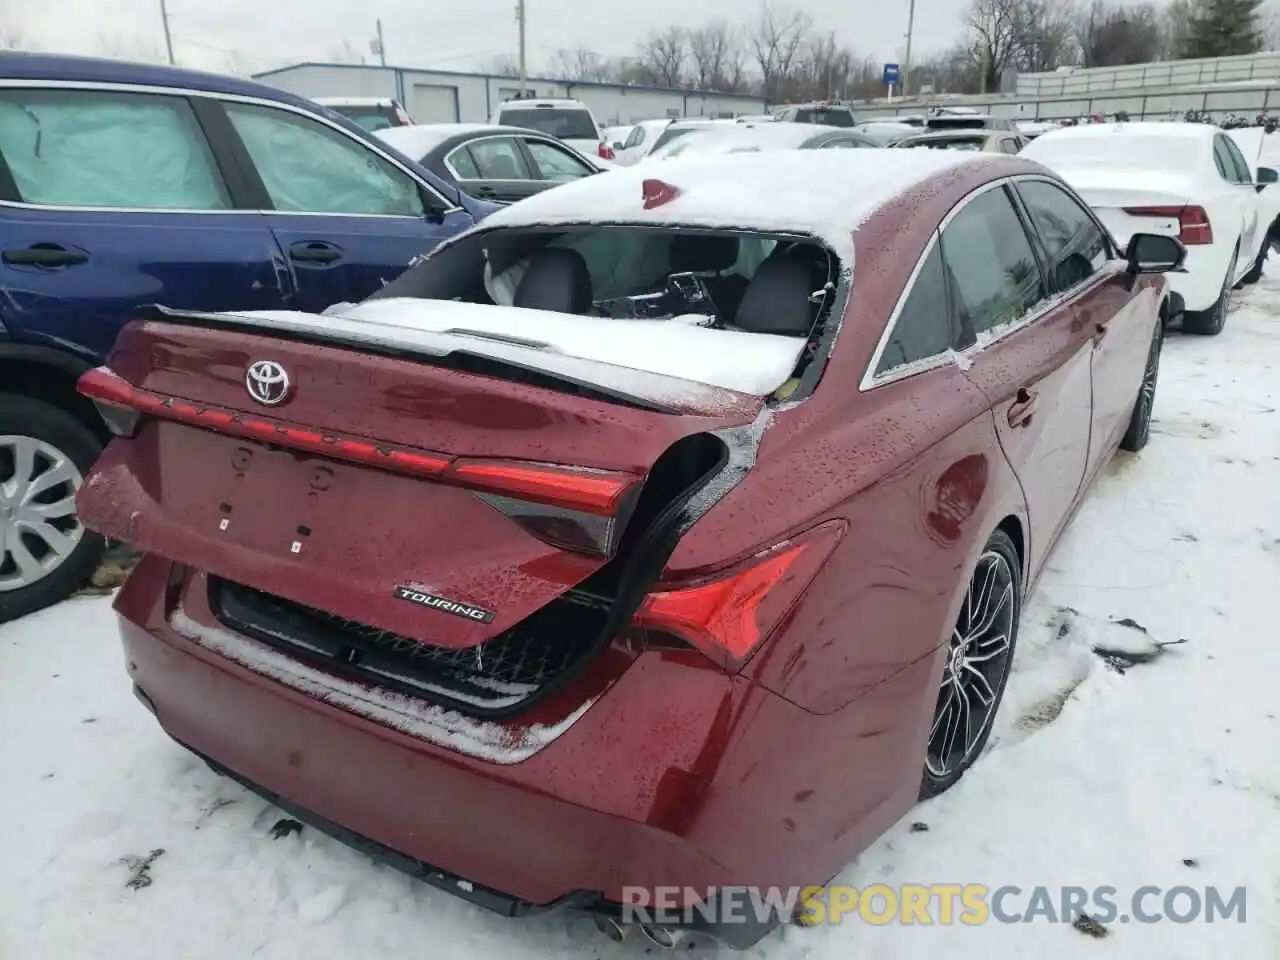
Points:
point(1238, 162)
point(499, 158)
point(996, 276)
point(636, 138)
point(1076, 246)
point(308, 167)
point(923, 328)
point(85, 148)
point(559, 122)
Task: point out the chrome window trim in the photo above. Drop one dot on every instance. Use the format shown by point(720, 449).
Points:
point(447, 206)
point(904, 371)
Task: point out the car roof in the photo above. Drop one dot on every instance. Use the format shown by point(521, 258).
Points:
point(977, 133)
point(1172, 131)
point(764, 191)
point(766, 134)
point(567, 103)
point(45, 66)
point(355, 101)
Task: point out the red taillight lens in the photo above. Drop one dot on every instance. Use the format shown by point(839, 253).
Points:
point(580, 492)
point(729, 616)
point(1193, 222)
point(403, 117)
point(606, 151)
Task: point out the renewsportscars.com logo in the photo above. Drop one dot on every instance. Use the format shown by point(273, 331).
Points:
point(943, 904)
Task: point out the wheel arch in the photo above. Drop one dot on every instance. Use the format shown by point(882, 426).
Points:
point(50, 375)
point(1011, 525)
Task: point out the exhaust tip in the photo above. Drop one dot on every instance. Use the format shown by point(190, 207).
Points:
point(665, 937)
point(145, 700)
point(611, 928)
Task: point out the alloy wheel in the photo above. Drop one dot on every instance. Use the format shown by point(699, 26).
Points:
point(978, 658)
point(38, 525)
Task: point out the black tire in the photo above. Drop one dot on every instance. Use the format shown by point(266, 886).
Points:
point(942, 770)
point(24, 417)
point(1209, 323)
point(1255, 272)
point(1139, 432)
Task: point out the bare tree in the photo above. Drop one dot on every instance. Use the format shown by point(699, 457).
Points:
point(346, 52)
point(661, 58)
point(504, 66)
point(775, 42)
point(1175, 28)
point(1046, 35)
point(822, 70)
point(581, 64)
point(716, 56)
point(995, 28)
point(1113, 36)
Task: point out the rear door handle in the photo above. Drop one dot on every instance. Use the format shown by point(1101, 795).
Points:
point(315, 252)
point(44, 255)
point(1022, 408)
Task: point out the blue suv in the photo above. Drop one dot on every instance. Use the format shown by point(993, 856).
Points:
point(123, 184)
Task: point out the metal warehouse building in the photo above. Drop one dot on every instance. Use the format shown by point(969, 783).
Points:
point(441, 96)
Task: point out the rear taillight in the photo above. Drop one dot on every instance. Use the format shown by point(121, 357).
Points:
point(403, 117)
point(606, 151)
point(729, 616)
point(1193, 222)
point(579, 492)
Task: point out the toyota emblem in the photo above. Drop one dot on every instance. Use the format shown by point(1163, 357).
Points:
point(267, 382)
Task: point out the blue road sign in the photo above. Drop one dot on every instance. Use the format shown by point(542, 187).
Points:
point(890, 73)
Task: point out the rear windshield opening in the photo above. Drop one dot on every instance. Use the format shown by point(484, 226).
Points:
point(563, 124)
point(669, 134)
point(742, 283)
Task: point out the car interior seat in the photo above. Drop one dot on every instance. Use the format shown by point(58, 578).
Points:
point(710, 257)
point(777, 300)
point(557, 279)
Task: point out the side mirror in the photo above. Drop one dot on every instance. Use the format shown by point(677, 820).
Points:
point(1267, 176)
point(1155, 253)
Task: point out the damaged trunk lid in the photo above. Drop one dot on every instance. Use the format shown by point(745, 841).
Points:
point(432, 506)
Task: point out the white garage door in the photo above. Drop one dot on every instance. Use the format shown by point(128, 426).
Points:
point(432, 104)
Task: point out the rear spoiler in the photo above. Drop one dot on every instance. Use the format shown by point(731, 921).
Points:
point(504, 359)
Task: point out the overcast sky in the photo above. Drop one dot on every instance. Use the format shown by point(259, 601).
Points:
point(451, 34)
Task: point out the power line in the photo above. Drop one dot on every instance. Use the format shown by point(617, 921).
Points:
point(168, 37)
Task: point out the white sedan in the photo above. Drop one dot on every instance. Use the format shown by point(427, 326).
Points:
point(1187, 180)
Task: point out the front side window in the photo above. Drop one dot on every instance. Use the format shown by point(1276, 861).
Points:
point(88, 148)
point(556, 163)
point(1076, 246)
point(308, 167)
point(923, 327)
point(995, 272)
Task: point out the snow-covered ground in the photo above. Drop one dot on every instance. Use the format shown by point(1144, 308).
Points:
point(1167, 773)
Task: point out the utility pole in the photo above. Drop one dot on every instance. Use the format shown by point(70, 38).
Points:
point(382, 46)
point(906, 66)
point(168, 37)
point(524, 73)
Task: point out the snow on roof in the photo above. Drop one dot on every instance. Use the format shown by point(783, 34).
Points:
point(823, 193)
point(419, 140)
point(354, 101)
point(741, 136)
point(1171, 131)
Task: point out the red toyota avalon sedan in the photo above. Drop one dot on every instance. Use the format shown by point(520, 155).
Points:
point(655, 534)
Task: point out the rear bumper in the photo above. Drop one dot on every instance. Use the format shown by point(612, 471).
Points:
point(681, 777)
point(1201, 284)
